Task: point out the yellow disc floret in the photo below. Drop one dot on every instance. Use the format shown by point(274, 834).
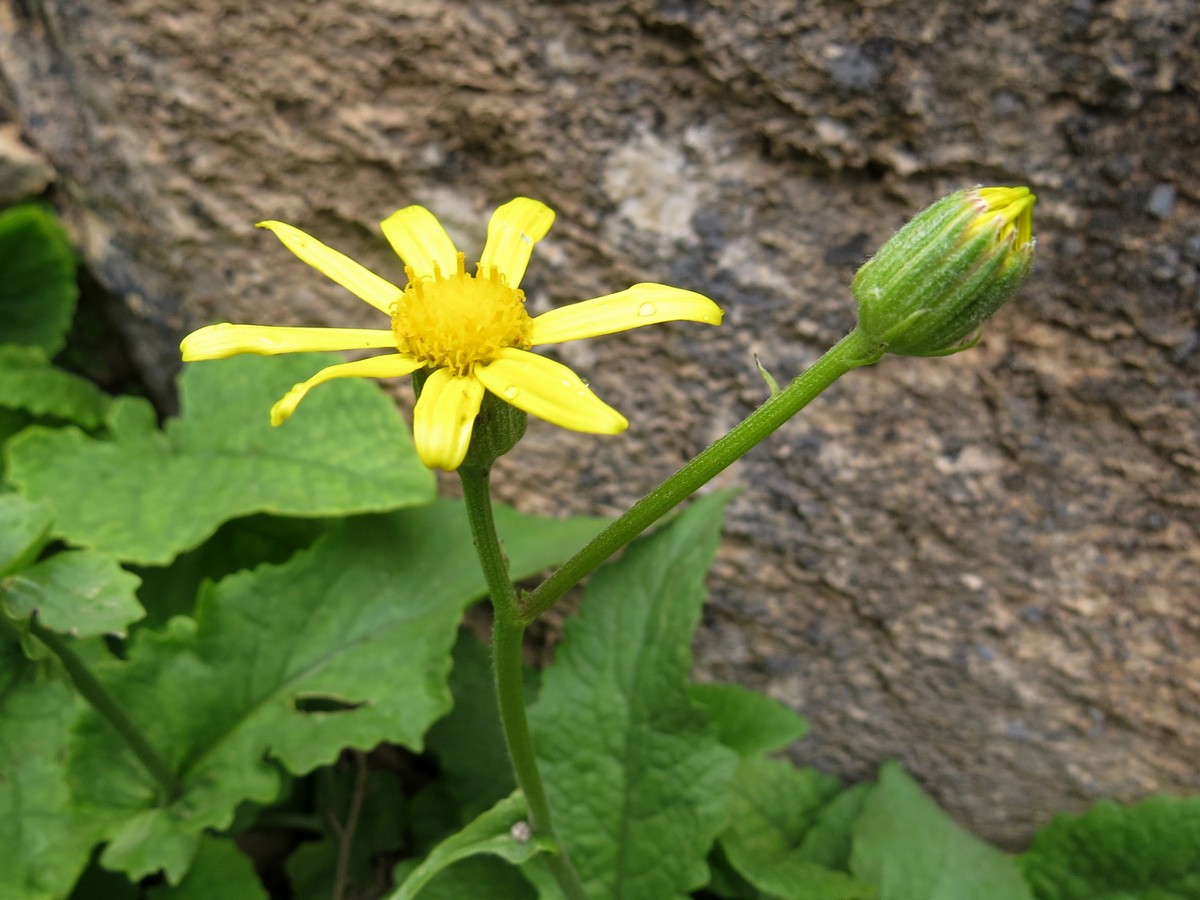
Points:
point(459, 320)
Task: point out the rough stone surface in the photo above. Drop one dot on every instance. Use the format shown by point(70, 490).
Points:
point(23, 173)
point(988, 565)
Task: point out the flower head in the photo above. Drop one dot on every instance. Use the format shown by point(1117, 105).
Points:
point(931, 286)
point(467, 334)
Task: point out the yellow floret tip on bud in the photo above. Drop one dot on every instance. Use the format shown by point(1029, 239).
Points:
point(929, 289)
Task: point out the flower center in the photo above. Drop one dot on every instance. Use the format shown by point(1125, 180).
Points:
point(459, 320)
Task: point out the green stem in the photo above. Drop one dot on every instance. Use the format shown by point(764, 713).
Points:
point(854, 350)
point(106, 705)
point(507, 634)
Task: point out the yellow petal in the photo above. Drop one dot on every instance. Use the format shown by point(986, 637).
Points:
point(513, 230)
point(443, 418)
point(550, 391)
point(225, 340)
point(642, 304)
point(357, 279)
point(388, 366)
point(421, 241)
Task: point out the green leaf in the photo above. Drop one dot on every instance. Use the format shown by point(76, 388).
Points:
point(537, 874)
point(37, 278)
point(28, 382)
point(146, 495)
point(773, 808)
point(219, 870)
point(476, 878)
point(492, 833)
point(12, 423)
point(433, 814)
point(1149, 851)
point(636, 778)
point(97, 881)
point(24, 531)
point(830, 841)
point(345, 645)
point(241, 544)
point(748, 722)
point(44, 841)
point(724, 880)
point(911, 850)
point(78, 592)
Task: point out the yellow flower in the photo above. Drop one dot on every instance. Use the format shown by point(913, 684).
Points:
point(471, 331)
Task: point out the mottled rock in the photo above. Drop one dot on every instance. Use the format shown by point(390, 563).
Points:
point(988, 565)
point(23, 173)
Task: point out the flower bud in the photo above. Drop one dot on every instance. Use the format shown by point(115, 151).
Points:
point(928, 289)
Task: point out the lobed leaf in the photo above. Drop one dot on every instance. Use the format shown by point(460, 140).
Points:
point(774, 808)
point(37, 278)
point(45, 841)
point(636, 778)
point(77, 592)
point(477, 878)
point(24, 531)
point(492, 833)
point(245, 543)
point(1148, 851)
point(28, 382)
point(219, 870)
point(910, 849)
point(748, 722)
point(347, 644)
point(144, 495)
point(829, 841)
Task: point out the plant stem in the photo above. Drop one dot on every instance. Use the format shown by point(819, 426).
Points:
point(344, 831)
point(106, 705)
point(507, 633)
point(852, 351)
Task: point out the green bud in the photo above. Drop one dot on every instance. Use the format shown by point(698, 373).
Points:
point(929, 289)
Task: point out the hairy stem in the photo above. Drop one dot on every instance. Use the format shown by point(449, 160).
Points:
point(507, 633)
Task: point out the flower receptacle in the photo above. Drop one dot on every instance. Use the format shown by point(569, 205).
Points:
point(498, 428)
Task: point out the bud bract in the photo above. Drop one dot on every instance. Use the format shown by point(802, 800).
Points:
point(929, 288)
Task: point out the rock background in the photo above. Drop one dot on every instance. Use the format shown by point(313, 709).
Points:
point(988, 565)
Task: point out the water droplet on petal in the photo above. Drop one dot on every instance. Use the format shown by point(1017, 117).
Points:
point(646, 310)
point(526, 238)
point(510, 392)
